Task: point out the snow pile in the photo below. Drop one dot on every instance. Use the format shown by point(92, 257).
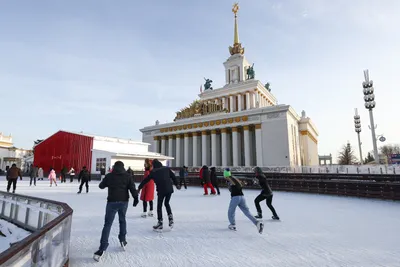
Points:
point(10, 234)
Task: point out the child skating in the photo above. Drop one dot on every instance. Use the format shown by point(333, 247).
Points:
point(238, 200)
point(266, 194)
point(52, 177)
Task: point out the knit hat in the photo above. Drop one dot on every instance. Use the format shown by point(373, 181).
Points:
point(227, 173)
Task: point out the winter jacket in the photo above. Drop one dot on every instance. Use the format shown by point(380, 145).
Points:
point(213, 176)
point(85, 175)
point(34, 172)
point(262, 181)
point(130, 171)
point(13, 173)
point(182, 173)
point(163, 177)
point(64, 171)
point(147, 193)
point(72, 172)
point(52, 175)
point(235, 186)
point(103, 171)
point(205, 174)
point(119, 184)
point(40, 173)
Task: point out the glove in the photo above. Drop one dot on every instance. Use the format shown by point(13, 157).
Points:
point(135, 202)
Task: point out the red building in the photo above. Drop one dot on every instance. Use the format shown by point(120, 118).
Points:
point(64, 149)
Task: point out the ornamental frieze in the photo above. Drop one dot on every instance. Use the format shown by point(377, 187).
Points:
point(199, 108)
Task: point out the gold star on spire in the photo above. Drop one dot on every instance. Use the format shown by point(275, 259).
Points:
point(237, 46)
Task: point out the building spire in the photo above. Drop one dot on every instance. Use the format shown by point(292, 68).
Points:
point(237, 46)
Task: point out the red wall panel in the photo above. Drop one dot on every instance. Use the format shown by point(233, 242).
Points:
point(64, 149)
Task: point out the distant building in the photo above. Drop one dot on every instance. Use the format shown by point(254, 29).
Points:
point(69, 149)
point(9, 154)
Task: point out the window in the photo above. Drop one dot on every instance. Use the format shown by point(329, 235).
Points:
point(100, 162)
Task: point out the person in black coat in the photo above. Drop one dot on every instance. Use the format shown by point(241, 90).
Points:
point(164, 179)
point(85, 178)
point(182, 176)
point(119, 184)
point(130, 172)
point(214, 179)
point(266, 193)
point(205, 177)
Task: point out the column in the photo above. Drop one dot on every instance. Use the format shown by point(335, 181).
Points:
point(195, 149)
point(171, 147)
point(259, 147)
point(214, 155)
point(204, 150)
point(178, 151)
point(231, 108)
point(254, 99)
point(223, 101)
point(186, 149)
point(248, 100)
point(246, 138)
point(224, 147)
point(240, 100)
point(156, 144)
point(163, 139)
point(235, 146)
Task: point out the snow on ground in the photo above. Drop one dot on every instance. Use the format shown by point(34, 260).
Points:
point(12, 234)
point(315, 230)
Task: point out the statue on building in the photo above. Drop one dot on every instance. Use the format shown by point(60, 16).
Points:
point(207, 85)
point(251, 73)
point(268, 87)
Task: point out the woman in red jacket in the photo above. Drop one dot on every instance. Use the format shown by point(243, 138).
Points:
point(147, 193)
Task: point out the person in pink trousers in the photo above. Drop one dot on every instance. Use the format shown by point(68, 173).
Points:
point(52, 177)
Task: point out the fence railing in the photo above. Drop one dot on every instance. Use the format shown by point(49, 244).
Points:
point(50, 225)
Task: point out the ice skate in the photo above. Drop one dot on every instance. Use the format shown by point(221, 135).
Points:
point(150, 214)
point(79, 192)
point(159, 226)
point(97, 255)
point(258, 216)
point(123, 244)
point(171, 221)
point(275, 218)
point(144, 215)
point(260, 227)
point(13, 191)
point(232, 227)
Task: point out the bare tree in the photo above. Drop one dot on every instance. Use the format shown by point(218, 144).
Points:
point(346, 156)
point(388, 150)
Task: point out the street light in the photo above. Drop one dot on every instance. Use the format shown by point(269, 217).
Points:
point(357, 128)
point(369, 99)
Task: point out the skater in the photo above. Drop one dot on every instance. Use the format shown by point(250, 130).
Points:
point(266, 193)
point(63, 175)
point(238, 200)
point(40, 174)
point(103, 172)
point(12, 177)
point(52, 177)
point(183, 173)
point(33, 174)
point(71, 174)
point(163, 178)
point(130, 172)
point(119, 184)
point(205, 177)
point(147, 194)
point(85, 178)
point(214, 179)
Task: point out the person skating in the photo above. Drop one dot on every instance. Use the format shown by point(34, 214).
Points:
point(238, 200)
point(205, 177)
point(52, 177)
point(266, 194)
point(164, 179)
point(147, 193)
point(33, 174)
point(183, 173)
point(71, 174)
point(12, 177)
point(119, 184)
point(40, 174)
point(103, 172)
point(130, 171)
point(84, 177)
point(63, 174)
point(214, 179)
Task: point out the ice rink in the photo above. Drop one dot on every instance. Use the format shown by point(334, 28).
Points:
point(315, 230)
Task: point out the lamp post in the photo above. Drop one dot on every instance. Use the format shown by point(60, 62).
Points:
point(369, 99)
point(357, 128)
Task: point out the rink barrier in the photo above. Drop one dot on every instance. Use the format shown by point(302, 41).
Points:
point(50, 225)
point(381, 186)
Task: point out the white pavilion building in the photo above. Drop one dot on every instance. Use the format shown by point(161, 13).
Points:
point(239, 124)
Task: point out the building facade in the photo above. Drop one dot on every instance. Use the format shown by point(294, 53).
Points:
point(9, 154)
point(69, 149)
point(239, 124)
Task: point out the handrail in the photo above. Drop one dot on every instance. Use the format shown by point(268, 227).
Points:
point(19, 248)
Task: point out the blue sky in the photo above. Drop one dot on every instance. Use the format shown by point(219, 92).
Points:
point(113, 67)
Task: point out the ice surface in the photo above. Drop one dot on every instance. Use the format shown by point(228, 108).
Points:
point(12, 234)
point(315, 230)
